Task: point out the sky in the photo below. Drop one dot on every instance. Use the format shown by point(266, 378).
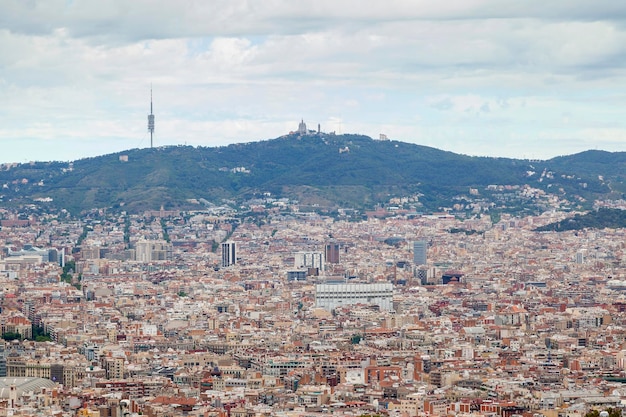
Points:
point(507, 78)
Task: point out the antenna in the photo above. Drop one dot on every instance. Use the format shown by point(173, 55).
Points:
point(151, 118)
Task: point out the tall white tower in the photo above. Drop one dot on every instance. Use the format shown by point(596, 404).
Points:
point(229, 254)
point(151, 119)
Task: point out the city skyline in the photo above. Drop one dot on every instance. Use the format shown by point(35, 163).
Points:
point(522, 80)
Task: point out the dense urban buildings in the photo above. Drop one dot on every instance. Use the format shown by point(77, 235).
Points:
point(207, 314)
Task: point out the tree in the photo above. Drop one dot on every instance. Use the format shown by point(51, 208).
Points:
point(68, 269)
point(8, 336)
point(166, 236)
point(40, 335)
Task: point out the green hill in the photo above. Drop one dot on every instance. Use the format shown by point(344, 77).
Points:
point(327, 170)
point(599, 219)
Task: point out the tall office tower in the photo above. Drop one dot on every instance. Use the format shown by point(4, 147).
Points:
point(229, 256)
point(331, 252)
point(419, 252)
point(53, 255)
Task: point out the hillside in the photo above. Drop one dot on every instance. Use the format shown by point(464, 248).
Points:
point(599, 219)
point(324, 170)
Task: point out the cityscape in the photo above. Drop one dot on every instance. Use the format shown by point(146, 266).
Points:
point(291, 313)
point(445, 238)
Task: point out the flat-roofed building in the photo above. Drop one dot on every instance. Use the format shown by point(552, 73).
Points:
point(331, 296)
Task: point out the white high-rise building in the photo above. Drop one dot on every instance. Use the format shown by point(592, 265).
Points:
point(305, 259)
point(229, 254)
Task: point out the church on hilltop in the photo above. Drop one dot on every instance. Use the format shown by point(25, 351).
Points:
point(303, 131)
point(302, 128)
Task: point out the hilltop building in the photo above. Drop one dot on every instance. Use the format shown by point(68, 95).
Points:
point(303, 131)
point(302, 128)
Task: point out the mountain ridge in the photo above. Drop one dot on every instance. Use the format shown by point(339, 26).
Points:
point(337, 170)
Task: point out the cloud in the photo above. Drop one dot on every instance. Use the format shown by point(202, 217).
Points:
point(149, 19)
point(444, 74)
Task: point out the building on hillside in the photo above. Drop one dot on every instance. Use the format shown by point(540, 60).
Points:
point(302, 128)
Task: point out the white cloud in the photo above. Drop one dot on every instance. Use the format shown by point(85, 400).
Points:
point(444, 74)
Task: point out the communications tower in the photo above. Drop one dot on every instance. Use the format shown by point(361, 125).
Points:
point(151, 119)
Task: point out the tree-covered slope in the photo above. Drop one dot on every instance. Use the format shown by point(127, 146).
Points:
point(348, 170)
point(599, 219)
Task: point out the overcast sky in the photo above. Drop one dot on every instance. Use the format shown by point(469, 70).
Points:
point(523, 79)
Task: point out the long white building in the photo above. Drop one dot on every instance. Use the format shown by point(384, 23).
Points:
point(331, 296)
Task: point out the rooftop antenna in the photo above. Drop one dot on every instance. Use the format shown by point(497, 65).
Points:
point(151, 118)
